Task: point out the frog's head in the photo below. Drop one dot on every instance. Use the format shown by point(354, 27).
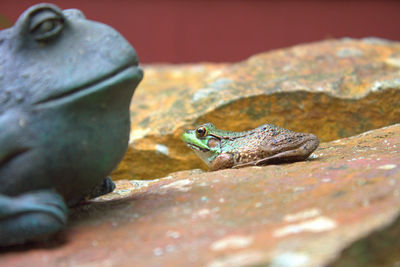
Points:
point(54, 57)
point(203, 141)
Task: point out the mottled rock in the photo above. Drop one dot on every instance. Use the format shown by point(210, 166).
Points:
point(334, 89)
point(304, 213)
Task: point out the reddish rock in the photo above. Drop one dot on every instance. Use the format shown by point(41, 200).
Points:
point(304, 213)
point(334, 89)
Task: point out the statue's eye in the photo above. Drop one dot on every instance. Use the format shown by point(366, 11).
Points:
point(201, 132)
point(46, 24)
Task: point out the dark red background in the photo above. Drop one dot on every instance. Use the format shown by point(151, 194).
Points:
point(220, 30)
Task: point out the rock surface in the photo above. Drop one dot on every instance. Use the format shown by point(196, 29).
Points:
point(334, 89)
point(304, 213)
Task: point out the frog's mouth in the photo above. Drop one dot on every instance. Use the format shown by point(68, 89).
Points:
point(126, 72)
point(192, 146)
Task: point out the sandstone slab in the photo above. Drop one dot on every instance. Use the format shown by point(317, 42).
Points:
point(304, 213)
point(333, 88)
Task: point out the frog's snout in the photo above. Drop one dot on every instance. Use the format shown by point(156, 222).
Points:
point(187, 133)
point(184, 135)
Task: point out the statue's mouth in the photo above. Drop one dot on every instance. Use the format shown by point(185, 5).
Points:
point(124, 73)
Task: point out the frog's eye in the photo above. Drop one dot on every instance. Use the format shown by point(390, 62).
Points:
point(201, 132)
point(45, 24)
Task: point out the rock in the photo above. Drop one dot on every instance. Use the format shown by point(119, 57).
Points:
point(304, 213)
point(381, 248)
point(334, 89)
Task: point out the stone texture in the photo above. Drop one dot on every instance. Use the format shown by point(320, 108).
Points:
point(304, 213)
point(381, 248)
point(334, 89)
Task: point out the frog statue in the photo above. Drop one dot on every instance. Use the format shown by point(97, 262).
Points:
point(65, 90)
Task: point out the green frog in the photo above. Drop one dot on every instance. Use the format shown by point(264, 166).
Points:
point(65, 89)
point(267, 144)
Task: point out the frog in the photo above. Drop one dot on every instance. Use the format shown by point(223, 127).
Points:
point(66, 84)
point(266, 144)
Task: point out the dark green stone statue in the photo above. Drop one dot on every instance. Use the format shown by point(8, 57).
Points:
point(65, 89)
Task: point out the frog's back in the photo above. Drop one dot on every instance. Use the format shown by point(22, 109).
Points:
point(267, 129)
point(259, 142)
point(255, 135)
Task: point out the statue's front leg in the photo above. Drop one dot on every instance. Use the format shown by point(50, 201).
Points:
point(31, 217)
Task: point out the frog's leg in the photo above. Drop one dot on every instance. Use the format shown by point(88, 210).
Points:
point(222, 161)
point(286, 156)
point(31, 217)
point(107, 186)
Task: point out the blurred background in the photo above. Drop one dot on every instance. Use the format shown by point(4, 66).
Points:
point(179, 31)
